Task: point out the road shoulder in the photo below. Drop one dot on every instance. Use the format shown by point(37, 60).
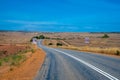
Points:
point(28, 69)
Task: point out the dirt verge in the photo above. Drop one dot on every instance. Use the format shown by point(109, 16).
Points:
point(27, 70)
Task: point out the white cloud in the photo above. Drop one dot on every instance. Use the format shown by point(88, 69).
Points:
point(31, 22)
point(90, 27)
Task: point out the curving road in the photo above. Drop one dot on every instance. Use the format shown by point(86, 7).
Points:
point(62, 64)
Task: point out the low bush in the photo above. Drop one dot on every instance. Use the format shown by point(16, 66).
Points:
point(0, 63)
point(17, 59)
point(3, 52)
point(39, 37)
point(47, 37)
point(11, 69)
point(12, 63)
point(32, 50)
point(50, 44)
point(6, 59)
point(13, 59)
point(117, 52)
point(105, 36)
point(59, 44)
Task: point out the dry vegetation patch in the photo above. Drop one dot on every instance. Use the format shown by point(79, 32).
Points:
point(19, 60)
point(109, 51)
point(6, 50)
point(26, 70)
point(86, 47)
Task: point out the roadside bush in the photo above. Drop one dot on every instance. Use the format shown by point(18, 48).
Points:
point(58, 39)
point(6, 59)
point(117, 52)
point(17, 57)
point(3, 52)
point(0, 63)
point(105, 36)
point(39, 37)
point(31, 39)
point(47, 38)
point(50, 44)
point(32, 50)
point(59, 44)
point(11, 69)
point(36, 37)
point(14, 59)
point(12, 64)
point(43, 37)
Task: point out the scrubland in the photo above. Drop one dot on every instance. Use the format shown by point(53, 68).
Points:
point(97, 43)
point(19, 59)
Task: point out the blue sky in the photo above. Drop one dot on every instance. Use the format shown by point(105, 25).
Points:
point(60, 15)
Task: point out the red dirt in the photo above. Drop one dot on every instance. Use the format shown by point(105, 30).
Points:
point(10, 49)
point(28, 69)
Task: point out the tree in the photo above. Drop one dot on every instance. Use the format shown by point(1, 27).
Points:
point(41, 37)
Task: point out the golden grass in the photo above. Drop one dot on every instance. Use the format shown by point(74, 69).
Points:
point(110, 51)
point(106, 50)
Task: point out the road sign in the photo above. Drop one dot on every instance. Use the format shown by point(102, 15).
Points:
point(34, 41)
point(87, 40)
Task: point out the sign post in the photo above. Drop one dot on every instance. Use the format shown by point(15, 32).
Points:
point(87, 40)
point(34, 41)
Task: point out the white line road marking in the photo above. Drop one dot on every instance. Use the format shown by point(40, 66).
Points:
point(89, 65)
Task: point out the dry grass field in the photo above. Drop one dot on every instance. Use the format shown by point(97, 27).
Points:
point(96, 43)
point(75, 39)
point(109, 45)
point(78, 39)
point(27, 70)
point(15, 37)
point(19, 59)
point(14, 56)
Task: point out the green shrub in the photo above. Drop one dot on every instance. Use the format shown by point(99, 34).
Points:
point(32, 50)
point(105, 36)
point(0, 63)
point(59, 44)
point(117, 52)
point(6, 59)
point(12, 63)
point(17, 57)
point(50, 44)
point(11, 69)
point(47, 38)
point(41, 37)
point(58, 39)
point(37, 37)
point(31, 39)
point(3, 52)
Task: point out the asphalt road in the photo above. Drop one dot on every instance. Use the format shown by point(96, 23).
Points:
point(62, 64)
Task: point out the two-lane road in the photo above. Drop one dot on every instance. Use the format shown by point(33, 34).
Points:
point(61, 64)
